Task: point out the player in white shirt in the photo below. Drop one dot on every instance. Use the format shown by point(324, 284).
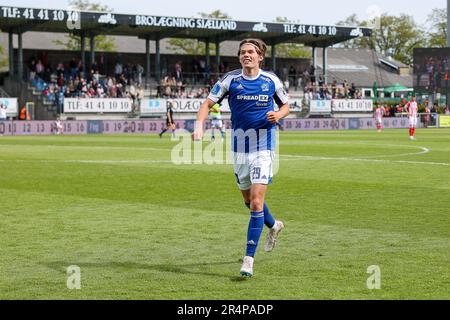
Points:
point(413, 111)
point(2, 112)
point(379, 112)
point(58, 127)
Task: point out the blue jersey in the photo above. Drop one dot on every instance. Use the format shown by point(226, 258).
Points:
point(250, 100)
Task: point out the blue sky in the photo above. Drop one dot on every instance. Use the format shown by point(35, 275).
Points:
point(308, 12)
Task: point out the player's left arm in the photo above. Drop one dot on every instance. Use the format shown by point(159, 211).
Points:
point(282, 100)
point(275, 116)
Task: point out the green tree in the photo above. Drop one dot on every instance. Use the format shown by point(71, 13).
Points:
point(289, 50)
point(4, 60)
point(102, 42)
point(353, 21)
point(193, 46)
point(396, 36)
point(437, 34)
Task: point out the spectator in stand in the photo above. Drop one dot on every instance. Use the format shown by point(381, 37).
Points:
point(139, 95)
point(345, 86)
point(352, 91)
point(32, 67)
point(446, 110)
point(427, 118)
point(386, 111)
point(392, 111)
point(59, 99)
point(119, 90)
point(96, 76)
point(60, 70)
point(292, 76)
point(73, 68)
point(40, 69)
point(298, 83)
point(140, 71)
point(80, 68)
point(321, 82)
point(334, 89)
point(118, 69)
point(68, 93)
point(46, 91)
point(312, 74)
point(61, 81)
point(286, 84)
point(113, 90)
point(306, 77)
point(328, 95)
point(222, 68)
point(196, 71)
point(178, 72)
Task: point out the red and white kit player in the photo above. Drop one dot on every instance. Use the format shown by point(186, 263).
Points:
point(379, 112)
point(413, 111)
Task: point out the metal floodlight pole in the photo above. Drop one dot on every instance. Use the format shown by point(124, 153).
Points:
point(448, 23)
point(448, 41)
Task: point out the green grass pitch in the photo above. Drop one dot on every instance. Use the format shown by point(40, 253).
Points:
point(140, 227)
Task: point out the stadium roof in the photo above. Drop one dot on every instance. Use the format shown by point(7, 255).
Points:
point(19, 20)
point(363, 67)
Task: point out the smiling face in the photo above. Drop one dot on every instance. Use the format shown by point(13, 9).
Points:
point(251, 54)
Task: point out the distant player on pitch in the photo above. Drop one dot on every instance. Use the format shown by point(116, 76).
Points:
point(251, 94)
point(58, 127)
point(170, 124)
point(413, 111)
point(379, 112)
point(216, 120)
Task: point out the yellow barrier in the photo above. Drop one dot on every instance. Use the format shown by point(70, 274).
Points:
point(444, 121)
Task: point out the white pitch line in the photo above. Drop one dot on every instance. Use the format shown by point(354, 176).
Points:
point(93, 161)
point(423, 151)
point(364, 160)
point(52, 146)
point(117, 161)
point(296, 158)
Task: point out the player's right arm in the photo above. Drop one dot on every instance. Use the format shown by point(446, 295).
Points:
point(202, 115)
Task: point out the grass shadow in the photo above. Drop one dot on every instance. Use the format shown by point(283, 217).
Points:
point(190, 268)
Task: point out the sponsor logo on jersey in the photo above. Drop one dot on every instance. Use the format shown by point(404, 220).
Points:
point(260, 98)
point(216, 89)
point(240, 87)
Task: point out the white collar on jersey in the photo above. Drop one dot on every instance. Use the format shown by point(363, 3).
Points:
point(250, 78)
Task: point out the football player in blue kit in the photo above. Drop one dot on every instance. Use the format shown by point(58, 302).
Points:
point(251, 94)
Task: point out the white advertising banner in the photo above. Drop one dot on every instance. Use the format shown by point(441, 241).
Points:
point(103, 105)
point(178, 105)
point(153, 106)
point(149, 106)
point(352, 105)
point(11, 106)
point(320, 106)
point(295, 105)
